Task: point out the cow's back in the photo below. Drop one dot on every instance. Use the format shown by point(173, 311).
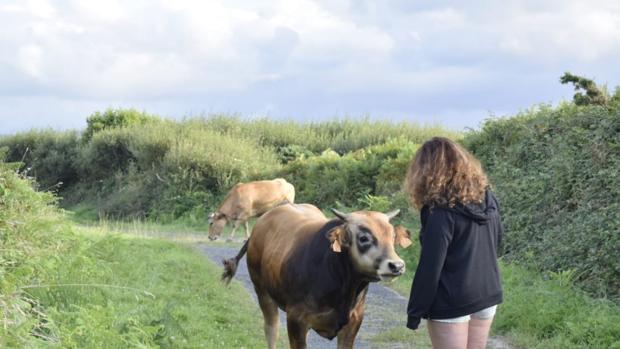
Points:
point(255, 198)
point(275, 237)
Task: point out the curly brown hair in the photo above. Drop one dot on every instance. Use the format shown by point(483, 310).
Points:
point(442, 173)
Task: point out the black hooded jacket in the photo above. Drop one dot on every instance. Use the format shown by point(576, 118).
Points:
point(457, 274)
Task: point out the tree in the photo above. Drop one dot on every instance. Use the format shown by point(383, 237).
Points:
point(594, 95)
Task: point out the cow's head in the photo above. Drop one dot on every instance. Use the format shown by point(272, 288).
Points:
point(217, 221)
point(369, 239)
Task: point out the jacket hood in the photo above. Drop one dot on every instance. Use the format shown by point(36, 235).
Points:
point(479, 212)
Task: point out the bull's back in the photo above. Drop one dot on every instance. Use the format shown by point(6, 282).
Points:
point(275, 237)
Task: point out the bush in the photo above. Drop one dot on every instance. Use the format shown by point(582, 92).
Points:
point(167, 168)
point(556, 171)
point(33, 234)
point(341, 136)
point(132, 164)
point(48, 155)
point(357, 177)
point(115, 118)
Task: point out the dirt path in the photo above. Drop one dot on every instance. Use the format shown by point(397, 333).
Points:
point(384, 320)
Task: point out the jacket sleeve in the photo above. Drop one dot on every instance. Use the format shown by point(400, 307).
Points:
point(435, 239)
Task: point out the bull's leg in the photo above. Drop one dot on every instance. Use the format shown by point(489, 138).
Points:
point(346, 335)
point(270, 314)
point(297, 333)
point(247, 230)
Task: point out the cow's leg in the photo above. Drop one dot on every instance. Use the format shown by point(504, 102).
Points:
point(297, 333)
point(232, 233)
point(346, 335)
point(247, 230)
point(270, 314)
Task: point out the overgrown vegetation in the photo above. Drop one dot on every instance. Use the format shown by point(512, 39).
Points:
point(67, 288)
point(557, 174)
point(541, 310)
point(134, 165)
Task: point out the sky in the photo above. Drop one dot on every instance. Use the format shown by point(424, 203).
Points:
point(456, 63)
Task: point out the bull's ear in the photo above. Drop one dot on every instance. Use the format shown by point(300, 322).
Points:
point(403, 236)
point(336, 238)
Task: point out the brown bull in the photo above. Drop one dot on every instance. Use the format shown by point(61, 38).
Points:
point(246, 200)
point(318, 270)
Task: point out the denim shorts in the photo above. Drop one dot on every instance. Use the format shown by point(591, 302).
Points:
point(483, 314)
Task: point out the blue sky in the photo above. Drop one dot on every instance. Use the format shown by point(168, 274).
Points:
point(449, 62)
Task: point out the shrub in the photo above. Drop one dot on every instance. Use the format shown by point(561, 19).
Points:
point(168, 168)
point(29, 225)
point(332, 180)
point(341, 136)
point(48, 155)
point(115, 118)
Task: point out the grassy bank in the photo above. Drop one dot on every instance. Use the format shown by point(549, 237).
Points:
point(542, 310)
point(545, 310)
point(68, 287)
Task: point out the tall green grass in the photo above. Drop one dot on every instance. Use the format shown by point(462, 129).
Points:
point(130, 164)
point(540, 310)
point(62, 287)
point(341, 136)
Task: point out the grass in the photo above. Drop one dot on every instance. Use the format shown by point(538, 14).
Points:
point(68, 287)
point(539, 310)
point(403, 336)
point(118, 291)
point(544, 311)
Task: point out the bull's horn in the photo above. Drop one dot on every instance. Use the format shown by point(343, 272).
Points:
point(392, 214)
point(339, 214)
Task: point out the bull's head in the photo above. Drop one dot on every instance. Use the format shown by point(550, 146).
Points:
point(369, 238)
point(217, 221)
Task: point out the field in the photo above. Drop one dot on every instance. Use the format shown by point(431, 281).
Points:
point(555, 170)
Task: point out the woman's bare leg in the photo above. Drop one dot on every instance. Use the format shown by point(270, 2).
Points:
point(478, 333)
point(448, 335)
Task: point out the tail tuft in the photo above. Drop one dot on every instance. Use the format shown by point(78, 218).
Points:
point(230, 269)
point(230, 264)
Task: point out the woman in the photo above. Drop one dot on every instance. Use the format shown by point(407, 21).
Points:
point(457, 284)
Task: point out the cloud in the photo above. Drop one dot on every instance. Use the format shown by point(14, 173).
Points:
point(300, 58)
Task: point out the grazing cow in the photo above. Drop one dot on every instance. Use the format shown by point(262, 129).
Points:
point(318, 270)
point(246, 200)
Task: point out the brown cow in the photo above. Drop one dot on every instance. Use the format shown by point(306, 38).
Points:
point(246, 200)
point(318, 270)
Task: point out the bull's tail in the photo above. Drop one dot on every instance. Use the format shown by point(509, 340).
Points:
point(230, 264)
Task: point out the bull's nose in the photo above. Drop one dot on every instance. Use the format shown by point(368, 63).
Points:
point(396, 267)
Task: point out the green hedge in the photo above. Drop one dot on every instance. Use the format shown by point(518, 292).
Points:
point(557, 174)
point(133, 164)
point(363, 178)
point(48, 155)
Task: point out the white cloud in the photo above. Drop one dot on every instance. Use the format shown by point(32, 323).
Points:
point(302, 57)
